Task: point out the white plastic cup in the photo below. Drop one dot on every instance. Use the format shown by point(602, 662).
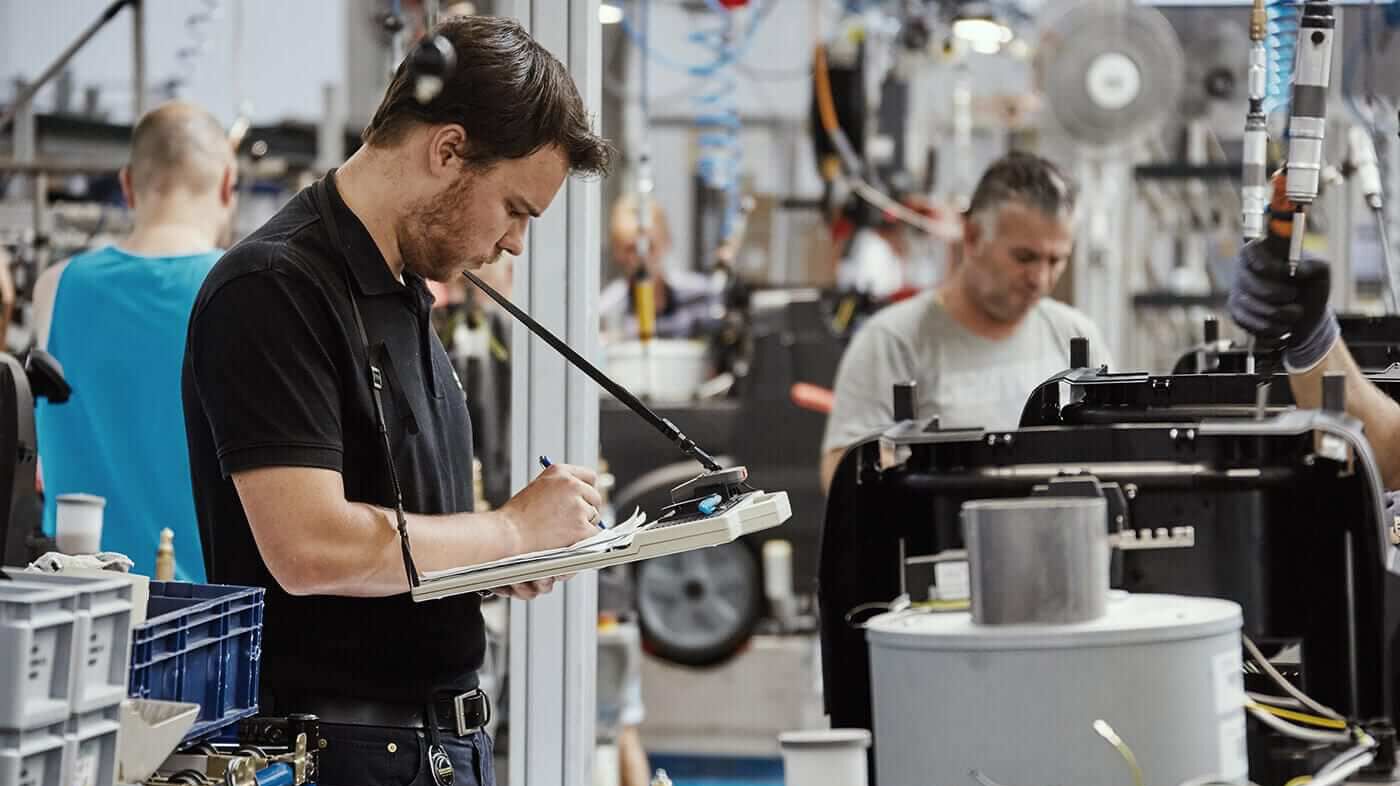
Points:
point(825, 757)
point(78, 529)
point(777, 580)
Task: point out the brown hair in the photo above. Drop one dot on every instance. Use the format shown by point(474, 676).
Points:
point(510, 95)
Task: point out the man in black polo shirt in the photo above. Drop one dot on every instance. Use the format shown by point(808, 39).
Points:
point(292, 486)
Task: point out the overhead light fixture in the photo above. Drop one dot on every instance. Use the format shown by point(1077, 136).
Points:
point(609, 13)
point(985, 36)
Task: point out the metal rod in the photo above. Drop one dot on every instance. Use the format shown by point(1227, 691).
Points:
point(1268, 477)
point(1392, 274)
point(22, 100)
point(666, 427)
point(138, 60)
point(54, 166)
point(1353, 674)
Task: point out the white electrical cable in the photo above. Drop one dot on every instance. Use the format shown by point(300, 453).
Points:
point(1343, 772)
point(1343, 759)
point(1276, 701)
point(872, 195)
point(1287, 686)
point(1298, 732)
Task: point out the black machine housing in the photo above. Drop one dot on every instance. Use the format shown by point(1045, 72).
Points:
point(1288, 516)
point(1374, 342)
point(20, 509)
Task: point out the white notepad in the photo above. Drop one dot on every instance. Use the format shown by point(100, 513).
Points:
point(618, 536)
point(632, 540)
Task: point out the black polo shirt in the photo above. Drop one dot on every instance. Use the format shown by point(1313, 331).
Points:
point(275, 375)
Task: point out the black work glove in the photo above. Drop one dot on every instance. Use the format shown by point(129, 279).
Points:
point(1274, 306)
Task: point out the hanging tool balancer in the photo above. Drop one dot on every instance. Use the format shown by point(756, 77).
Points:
point(1254, 191)
point(1307, 133)
point(1307, 119)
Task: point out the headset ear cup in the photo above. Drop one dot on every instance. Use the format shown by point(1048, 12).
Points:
point(432, 63)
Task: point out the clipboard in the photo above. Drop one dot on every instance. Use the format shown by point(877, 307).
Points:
point(748, 513)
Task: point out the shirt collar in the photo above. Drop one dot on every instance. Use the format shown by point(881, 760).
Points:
point(367, 264)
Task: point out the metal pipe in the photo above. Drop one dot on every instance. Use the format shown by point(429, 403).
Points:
point(138, 60)
point(1392, 274)
point(23, 99)
point(1353, 651)
point(55, 166)
point(1205, 480)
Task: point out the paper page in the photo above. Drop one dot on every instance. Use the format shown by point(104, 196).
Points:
point(619, 536)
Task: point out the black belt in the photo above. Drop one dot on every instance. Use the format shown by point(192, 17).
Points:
point(462, 714)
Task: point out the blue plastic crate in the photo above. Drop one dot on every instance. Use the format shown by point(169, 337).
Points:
point(200, 643)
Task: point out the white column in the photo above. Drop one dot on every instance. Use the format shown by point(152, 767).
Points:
point(1099, 290)
point(553, 640)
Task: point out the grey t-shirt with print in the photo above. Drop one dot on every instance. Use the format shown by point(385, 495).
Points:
point(965, 379)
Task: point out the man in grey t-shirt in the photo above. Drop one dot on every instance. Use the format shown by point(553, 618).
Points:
point(981, 341)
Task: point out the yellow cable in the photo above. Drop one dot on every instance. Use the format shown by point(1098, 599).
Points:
point(943, 605)
point(1299, 781)
point(1302, 717)
point(1132, 762)
point(1106, 731)
point(498, 350)
point(844, 312)
point(826, 108)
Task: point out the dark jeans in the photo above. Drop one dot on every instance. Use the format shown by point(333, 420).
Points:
point(386, 756)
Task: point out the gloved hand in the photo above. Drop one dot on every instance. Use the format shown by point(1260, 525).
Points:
point(1270, 304)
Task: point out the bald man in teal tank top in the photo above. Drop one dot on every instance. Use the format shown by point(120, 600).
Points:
point(115, 317)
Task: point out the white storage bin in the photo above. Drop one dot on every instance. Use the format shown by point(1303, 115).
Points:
point(37, 629)
point(33, 758)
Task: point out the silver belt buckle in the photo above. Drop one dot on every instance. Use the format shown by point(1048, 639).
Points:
point(459, 705)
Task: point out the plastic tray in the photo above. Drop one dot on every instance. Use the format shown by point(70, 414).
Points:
point(150, 732)
point(102, 638)
point(201, 643)
point(33, 758)
point(37, 628)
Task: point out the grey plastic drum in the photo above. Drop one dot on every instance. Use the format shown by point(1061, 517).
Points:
point(1018, 702)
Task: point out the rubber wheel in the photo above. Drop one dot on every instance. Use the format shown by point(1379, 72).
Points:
point(699, 608)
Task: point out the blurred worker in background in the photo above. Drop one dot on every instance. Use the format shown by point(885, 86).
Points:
point(317, 397)
point(115, 318)
point(686, 301)
point(979, 343)
point(877, 254)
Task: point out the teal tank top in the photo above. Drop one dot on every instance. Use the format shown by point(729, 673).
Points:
point(118, 329)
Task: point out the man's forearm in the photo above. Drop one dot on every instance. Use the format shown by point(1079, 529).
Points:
point(438, 542)
point(1366, 402)
point(359, 552)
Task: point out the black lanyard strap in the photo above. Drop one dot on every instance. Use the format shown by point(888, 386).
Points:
point(319, 193)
